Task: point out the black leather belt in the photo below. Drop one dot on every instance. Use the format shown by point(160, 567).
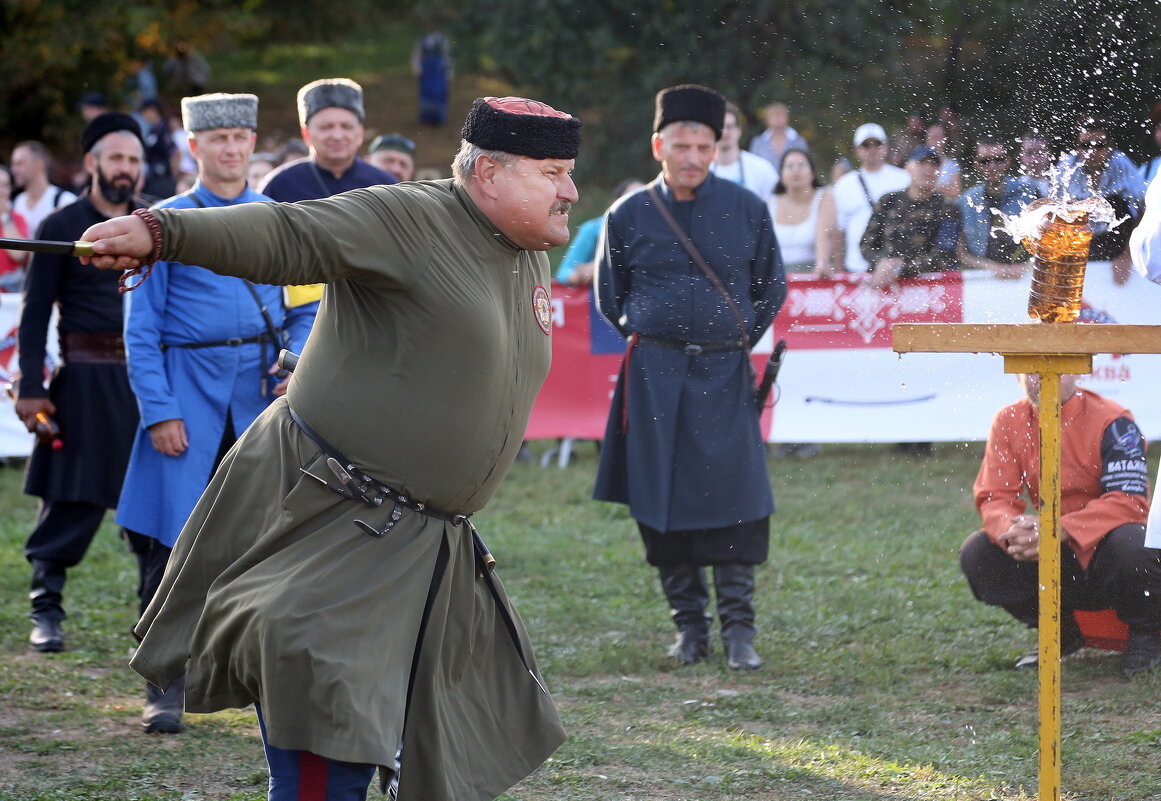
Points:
point(232, 342)
point(357, 485)
point(691, 348)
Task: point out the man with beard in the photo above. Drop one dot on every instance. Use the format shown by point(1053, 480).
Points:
point(89, 395)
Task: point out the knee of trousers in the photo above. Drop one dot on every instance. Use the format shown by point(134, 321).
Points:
point(994, 576)
point(1122, 552)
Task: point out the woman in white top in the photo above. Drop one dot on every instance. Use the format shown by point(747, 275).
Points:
point(794, 208)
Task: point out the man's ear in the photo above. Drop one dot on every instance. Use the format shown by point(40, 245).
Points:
point(90, 162)
point(305, 135)
point(486, 170)
point(656, 142)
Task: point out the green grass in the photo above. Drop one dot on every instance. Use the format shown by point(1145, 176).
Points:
point(884, 679)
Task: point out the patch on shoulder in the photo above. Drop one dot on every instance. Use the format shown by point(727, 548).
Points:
point(542, 308)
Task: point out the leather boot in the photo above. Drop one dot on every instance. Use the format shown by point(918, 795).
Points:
point(734, 583)
point(163, 708)
point(46, 595)
point(688, 597)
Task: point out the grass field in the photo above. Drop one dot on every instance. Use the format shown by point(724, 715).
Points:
point(884, 679)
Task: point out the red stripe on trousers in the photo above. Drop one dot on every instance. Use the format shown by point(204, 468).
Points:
point(312, 777)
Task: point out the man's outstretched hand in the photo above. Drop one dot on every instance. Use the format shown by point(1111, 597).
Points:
point(122, 243)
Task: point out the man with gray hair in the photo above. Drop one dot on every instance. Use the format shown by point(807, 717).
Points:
point(690, 274)
point(200, 349)
point(331, 114)
point(330, 571)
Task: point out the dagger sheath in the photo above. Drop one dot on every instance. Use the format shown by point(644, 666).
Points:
point(78, 249)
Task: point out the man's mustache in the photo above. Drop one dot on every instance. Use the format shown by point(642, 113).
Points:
point(560, 207)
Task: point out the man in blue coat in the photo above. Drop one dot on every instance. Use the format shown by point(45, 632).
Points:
point(683, 447)
point(200, 349)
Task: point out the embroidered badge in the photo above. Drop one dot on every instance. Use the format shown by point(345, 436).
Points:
point(542, 308)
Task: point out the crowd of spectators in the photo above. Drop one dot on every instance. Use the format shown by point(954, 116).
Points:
point(34, 182)
point(820, 226)
point(878, 216)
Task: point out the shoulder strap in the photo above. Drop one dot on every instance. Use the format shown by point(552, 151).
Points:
point(700, 261)
point(866, 189)
point(318, 177)
point(277, 334)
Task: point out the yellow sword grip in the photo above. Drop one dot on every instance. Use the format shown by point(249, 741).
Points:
point(83, 250)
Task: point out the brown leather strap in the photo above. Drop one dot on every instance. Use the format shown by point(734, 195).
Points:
point(700, 261)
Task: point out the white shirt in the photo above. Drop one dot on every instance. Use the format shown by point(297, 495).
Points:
point(853, 210)
point(750, 171)
point(1145, 245)
point(796, 243)
point(35, 214)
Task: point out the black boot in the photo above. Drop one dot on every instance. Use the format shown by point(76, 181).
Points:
point(688, 597)
point(46, 595)
point(734, 583)
point(163, 708)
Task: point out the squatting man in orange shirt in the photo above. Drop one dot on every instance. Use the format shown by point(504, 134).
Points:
point(1104, 504)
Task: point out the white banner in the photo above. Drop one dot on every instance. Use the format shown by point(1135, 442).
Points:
point(861, 391)
point(14, 437)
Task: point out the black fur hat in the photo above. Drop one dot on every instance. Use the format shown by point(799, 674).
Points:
point(107, 123)
point(690, 103)
point(522, 127)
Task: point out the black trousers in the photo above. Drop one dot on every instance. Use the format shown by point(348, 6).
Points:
point(1123, 575)
point(63, 532)
point(745, 543)
point(152, 558)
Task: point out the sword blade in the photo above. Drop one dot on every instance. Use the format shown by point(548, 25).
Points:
point(77, 249)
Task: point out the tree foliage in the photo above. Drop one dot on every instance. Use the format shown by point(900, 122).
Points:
point(54, 51)
point(1048, 62)
point(606, 59)
point(1006, 63)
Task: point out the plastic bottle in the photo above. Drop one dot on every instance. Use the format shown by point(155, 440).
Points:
point(48, 431)
point(1059, 249)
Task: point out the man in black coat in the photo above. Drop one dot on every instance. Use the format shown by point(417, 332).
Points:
point(683, 447)
point(88, 394)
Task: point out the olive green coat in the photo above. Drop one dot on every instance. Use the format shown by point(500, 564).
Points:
point(422, 368)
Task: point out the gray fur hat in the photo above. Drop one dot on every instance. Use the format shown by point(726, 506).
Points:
point(206, 112)
point(328, 93)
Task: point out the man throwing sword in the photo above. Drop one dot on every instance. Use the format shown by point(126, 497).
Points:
point(89, 394)
point(330, 572)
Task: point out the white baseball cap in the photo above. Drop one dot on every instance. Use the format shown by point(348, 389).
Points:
point(870, 130)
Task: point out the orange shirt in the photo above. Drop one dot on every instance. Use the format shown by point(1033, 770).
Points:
point(1103, 476)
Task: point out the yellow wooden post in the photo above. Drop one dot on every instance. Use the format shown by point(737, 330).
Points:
point(1050, 368)
point(1051, 351)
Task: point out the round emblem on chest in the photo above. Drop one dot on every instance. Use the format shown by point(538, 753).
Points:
point(542, 308)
